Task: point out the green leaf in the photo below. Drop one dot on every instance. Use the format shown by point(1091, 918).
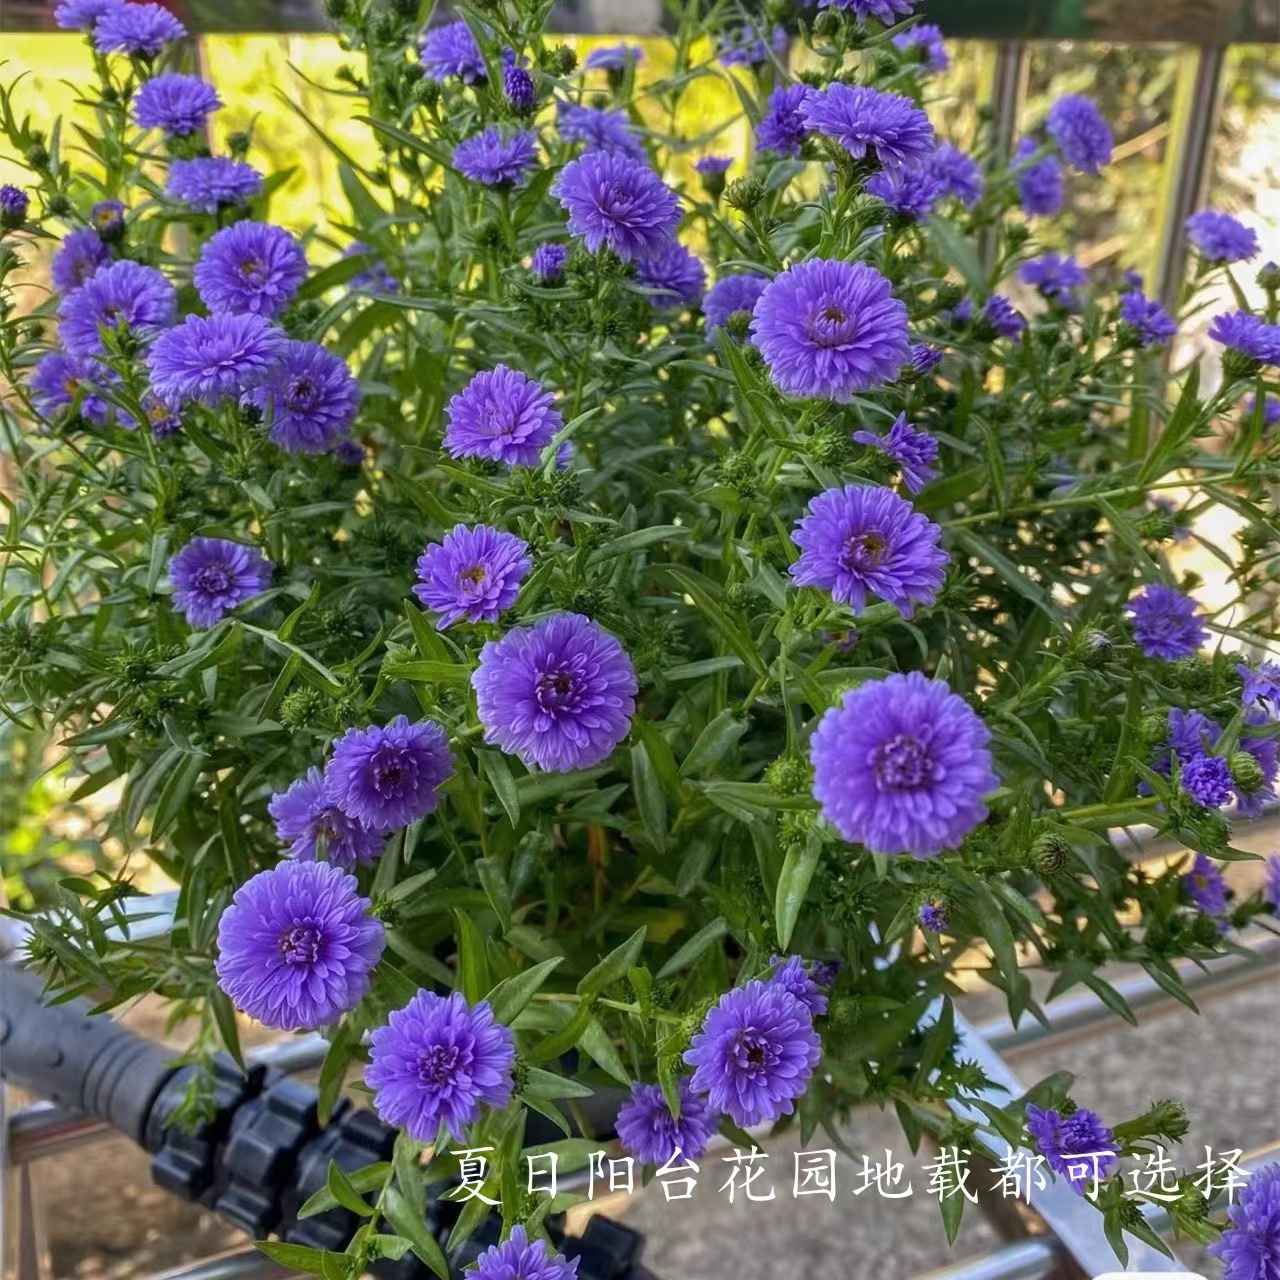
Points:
point(370, 1178)
point(701, 941)
point(793, 884)
point(340, 1188)
point(953, 248)
point(333, 1071)
point(473, 965)
point(614, 967)
point(511, 995)
point(224, 1017)
point(494, 883)
point(297, 1257)
point(705, 594)
point(411, 1223)
point(650, 799)
point(497, 768)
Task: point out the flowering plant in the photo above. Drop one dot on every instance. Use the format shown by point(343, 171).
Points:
point(625, 620)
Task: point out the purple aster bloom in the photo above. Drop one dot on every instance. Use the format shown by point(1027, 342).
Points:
point(927, 43)
point(560, 694)
point(250, 266)
point(887, 11)
point(1220, 237)
point(472, 573)
point(375, 277)
point(211, 576)
point(1271, 884)
point(865, 122)
point(1191, 734)
point(1147, 318)
point(1250, 1246)
point(214, 358)
point(674, 277)
point(124, 296)
point(107, 219)
point(1132, 279)
point(755, 1053)
point(1165, 623)
point(1056, 277)
point(1270, 409)
point(79, 258)
point(518, 85)
point(304, 817)
point(615, 202)
point(934, 917)
point(142, 29)
point(391, 776)
point(911, 192)
point(297, 945)
point(175, 104)
point(1066, 1142)
point(548, 262)
point(902, 766)
point(746, 47)
point(1081, 132)
point(961, 314)
point(1260, 685)
point(731, 295)
point(830, 328)
point(923, 358)
point(59, 380)
point(208, 183)
point(1247, 334)
point(866, 539)
point(14, 203)
point(518, 1258)
point(959, 173)
point(1206, 886)
point(503, 416)
point(82, 15)
point(913, 452)
point(713, 164)
point(792, 976)
point(649, 1132)
point(825, 972)
point(436, 1061)
point(1266, 751)
point(598, 129)
point(162, 419)
point(783, 128)
point(1207, 780)
point(451, 50)
point(496, 160)
point(614, 57)
point(349, 453)
point(309, 397)
point(1042, 186)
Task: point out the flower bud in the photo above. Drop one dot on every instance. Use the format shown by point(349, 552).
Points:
point(1246, 772)
point(1154, 728)
point(1206, 831)
point(37, 155)
point(561, 60)
point(1050, 855)
point(1157, 525)
point(1237, 366)
point(14, 204)
point(1269, 277)
point(744, 194)
point(58, 206)
point(789, 776)
point(827, 23)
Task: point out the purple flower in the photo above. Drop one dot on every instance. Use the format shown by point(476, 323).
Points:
point(214, 358)
point(1270, 409)
point(1250, 1246)
point(902, 766)
point(1220, 237)
point(107, 219)
point(518, 1258)
point(560, 694)
point(712, 165)
point(503, 416)
point(959, 173)
point(923, 358)
point(123, 297)
point(649, 1132)
point(1266, 751)
point(887, 11)
point(1042, 186)
point(614, 57)
point(911, 192)
point(1193, 734)
point(1207, 780)
point(1206, 886)
point(297, 945)
point(674, 277)
point(375, 277)
point(59, 380)
point(1067, 1142)
point(934, 917)
point(1260, 685)
point(1081, 132)
point(755, 1053)
point(82, 15)
point(305, 816)
point(825, 972)
point(518, 85)
point(792, 976)
point(208, 183)
point(211, 576)
point(389, 777)
point(1165, 623)
point(1003, 318)
point(746, 47)
point(1056, 277)
point(472, 573)
point(830, 328)
point(1147, 318)
point(913, 452)
point(176, 104)
point(730, 296)
point(928, 45)
point(496, 160)
point(309, 398)
point(866, 539)
point(81, 255)
point(889, 128)
point(436, 1061)
point(349, 453)
point(162, 419)
point(451, 50)
point(143, 29)
point(250, 266)
point(548, 262)
point(617, 203)
point(1271, 884)
point(598, 129)
point(783, 127)
point(14, 203)
point(1248, 335)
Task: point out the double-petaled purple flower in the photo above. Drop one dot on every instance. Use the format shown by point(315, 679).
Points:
point(496, 159)
point(250, 267)
point(14, 203)
point(674, 278)
point(1220, 237)
point(548, 262)
point(1261, 685)
point(176, 104)
point(913, 452)
point(1206, 887)
point(782, 129)
point(1193, 734)
point(60, 381)
point(309, 824)
point(387, 777)
point(79, 258)
point(209, 183)
point(959, 173)
point(614, 57)
point(297, 945)
point(1081, 132)
point(308, 396)
point(1166, 624)
point(1247, 334)
point(1002, 318)
point(926, 43)
point(560, 694)
point(648, 1131)
point(211, 359)
point(142, 29)
point(519, 1258)
point(82, 15)
point(886, 11)
point(1151, 324)
point(903, 765)
point(437, 1062)
point(1207, 780)
point(865, 540)
point(791, 975)
point(451, 51)
point(1057, 278)
point(1249, 1248)
point(616, 202)
point(598, 129)
point(866, 122)
point(830, 328)
point(211, 576)
point(123, 297)
point(731, 296)
point(1076, 1146)
point(924, 358)
point(911, 191)
point(472, 573)
point(1042, 186)
point(503, 416)
point(747, 47)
